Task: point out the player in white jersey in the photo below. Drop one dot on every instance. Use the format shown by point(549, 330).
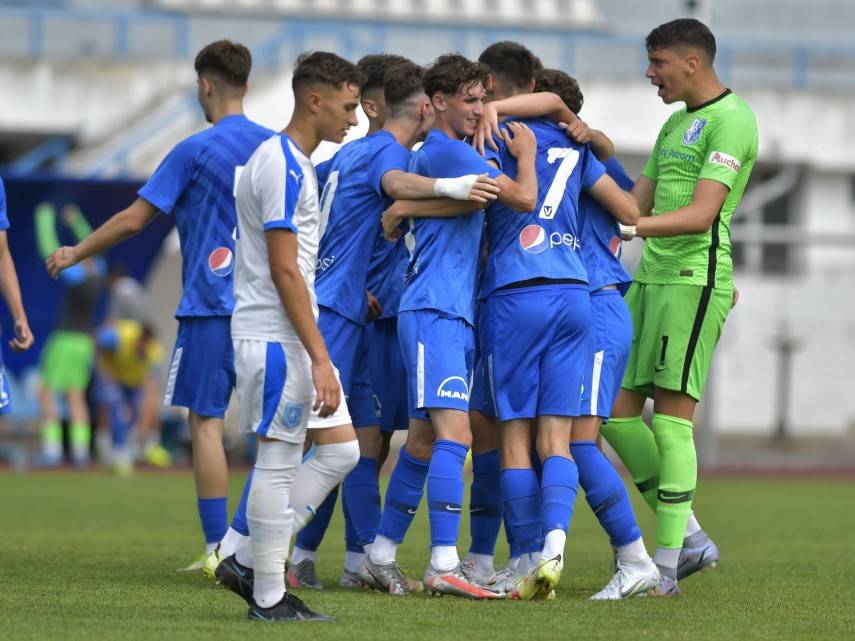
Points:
point(286, 382)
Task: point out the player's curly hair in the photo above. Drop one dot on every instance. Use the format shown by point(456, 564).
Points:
point(226, 60)
point(511, 63)
point(452, 74)
point(375, 66)
point(684, 32)
point(325, 68)
point(401, 82)
point(562, 84)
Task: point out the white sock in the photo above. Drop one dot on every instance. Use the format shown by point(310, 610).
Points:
point(528, 560)
point(632, 552)
point(666, 560)
point(270, 518)
point(352, 560)
point(243, 554)
point(299, 555)
point(231, 541)
point(692, 526)
point(318, 476)
point(553, 544)
point(483, 564)
point(513, 562)
point(444, 557)
point(383, 551)
point(210, 547)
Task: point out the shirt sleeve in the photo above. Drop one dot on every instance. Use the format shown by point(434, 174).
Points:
point(389, 157)
point(460, 159)
point(171, 177)
point(592, 169)
point(729, 144)
point(279, 181)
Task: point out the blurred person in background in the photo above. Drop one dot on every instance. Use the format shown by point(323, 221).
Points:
point(67, 358)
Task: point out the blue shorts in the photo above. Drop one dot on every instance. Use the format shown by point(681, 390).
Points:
point(347, 345)
point(480, 399)
point(438, 356)
point(5, 397)
point(202, 371)
point(610, 340)
point(387, 374)
point(536, 343)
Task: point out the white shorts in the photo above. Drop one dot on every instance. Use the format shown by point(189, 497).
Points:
point(276, 393)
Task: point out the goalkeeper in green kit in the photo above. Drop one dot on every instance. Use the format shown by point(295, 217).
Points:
point(683, 287)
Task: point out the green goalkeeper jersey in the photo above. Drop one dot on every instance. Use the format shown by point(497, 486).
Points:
point(715, 141)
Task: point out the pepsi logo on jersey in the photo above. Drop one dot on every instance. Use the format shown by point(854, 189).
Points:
point(221, 262)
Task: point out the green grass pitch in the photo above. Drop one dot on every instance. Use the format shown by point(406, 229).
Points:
point(90, 556)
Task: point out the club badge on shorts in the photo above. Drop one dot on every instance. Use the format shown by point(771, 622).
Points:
point(292, 416)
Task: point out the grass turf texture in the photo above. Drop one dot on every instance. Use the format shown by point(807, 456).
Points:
point(90, 556)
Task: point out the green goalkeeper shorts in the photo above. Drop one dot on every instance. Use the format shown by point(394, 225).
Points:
point(675, 330)
point(66, 361)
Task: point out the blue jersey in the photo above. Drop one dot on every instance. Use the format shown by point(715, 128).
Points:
point(601, 242)
point(545, 242)
point(197, 181)
point(386, 273)
point(444, 252)
point(355, 201)
point(4, 216)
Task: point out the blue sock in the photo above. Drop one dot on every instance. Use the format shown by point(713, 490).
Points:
point(605, 493)
point(403, 495)
point(445, 491)
point(485, 505)
point(310, 537)
point(521, 495)
point(351, 543)
point(239, 519)
point(214, 516)
point(362, 496)
point(559, 485)
point(513, 548)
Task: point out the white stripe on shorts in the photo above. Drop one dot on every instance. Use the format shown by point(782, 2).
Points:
point(492, 384)
point(173, 375)
point(420, 376)
point(595, 381)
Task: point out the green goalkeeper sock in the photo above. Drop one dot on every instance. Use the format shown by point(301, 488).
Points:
point(80, 436)
point(634, 443)
point(52, 439)
point(678, 471)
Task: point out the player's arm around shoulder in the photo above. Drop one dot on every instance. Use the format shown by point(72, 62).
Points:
point(294, 295)
point(520, 194)
point(619, 203)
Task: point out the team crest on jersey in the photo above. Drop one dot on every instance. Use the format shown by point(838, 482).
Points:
point(221, 262)
point(292, 416)
point(691, 135)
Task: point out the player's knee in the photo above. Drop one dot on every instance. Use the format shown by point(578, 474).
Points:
point(337, 459)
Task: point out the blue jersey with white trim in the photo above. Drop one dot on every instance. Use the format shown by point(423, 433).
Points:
point(543, 243)
point(444, 252)
point(600, 232)
point(197, 182)
point(386, 273)
point(355, 200)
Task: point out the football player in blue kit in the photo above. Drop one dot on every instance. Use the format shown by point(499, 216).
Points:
point(196, 182)
point(535, 335)
point(610, 339)
point(359, 183)
point(435, 319)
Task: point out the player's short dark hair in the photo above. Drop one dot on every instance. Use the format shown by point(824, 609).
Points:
point(511, 63)
point(226, 60)
point(562, 84)
point(684, 32)
point(401, 82)
point(322, 67)
point(375, 66)
point(452, 73)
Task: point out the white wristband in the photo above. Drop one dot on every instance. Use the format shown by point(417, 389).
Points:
point(628, 232)
point(457, 188)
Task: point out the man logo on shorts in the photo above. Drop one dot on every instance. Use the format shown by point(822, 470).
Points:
point(453, 387)
point(293, 415)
